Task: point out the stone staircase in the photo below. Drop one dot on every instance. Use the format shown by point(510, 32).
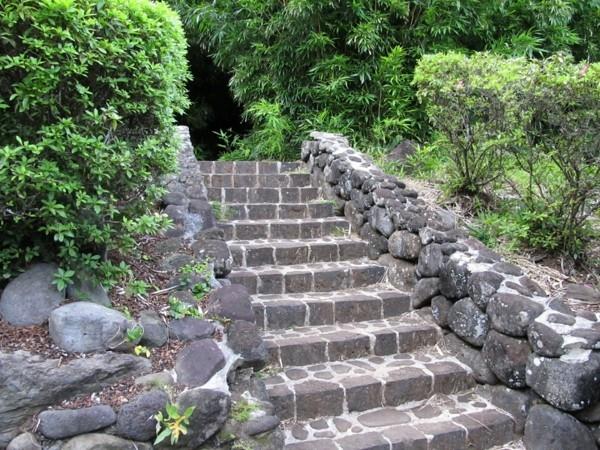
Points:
point(352, 367)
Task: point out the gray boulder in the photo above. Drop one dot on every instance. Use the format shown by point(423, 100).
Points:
point(440, 308)
point(60, 424)
point(482, 286)
point(216, 251)
point(549, 429)
point(400, 273)
point(29, 383)
point(381, 221)
point(243, 338)
point(97, 441)
point(454, 278)
point(210, 413)
point(86, 327)
point(156, 332)
point(136, 418)
point(190, 329)
point(507, 358)
point(545, 340)
point(404, 245)
point(468, 322)
point(425, 290)
point(198, 362)
point(512, 314)
point(570, 383)
point(230, 302)
point(30, 298)
point(84, 289)
point(471, 357)
point(431, 261)
point(25, 441)
point(516, 402)
point(378, 244)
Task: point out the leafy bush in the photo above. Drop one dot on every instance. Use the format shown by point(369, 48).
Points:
point(534, 124)
point(87, 96)
point(346, 66)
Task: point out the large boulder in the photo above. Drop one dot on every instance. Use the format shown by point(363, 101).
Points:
point(211, 409)
point(549, 429)
point(84, 289)
point(400, 273)
point(468, 322)
point(230, 302)
point(424, 290)
point(156, 332)
point(24, 441)
point(404, 245)
point(198, 362)
point(512, 314)
point(30, 298)
point(482, 286)
point(98, 441)
point(454, 277)
point(517, 403)
point(243, 338)
point(87, 327)
point(431, 261)
point(29, 383)
point(190, 329)
point(60, 424)
point(507, 358)
point(470, 356)
point(570, 383)
point(440, 309)
point(136, 418)
point(217, 252)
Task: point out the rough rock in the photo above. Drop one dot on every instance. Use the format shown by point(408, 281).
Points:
point(97, 441)
point(471, 357)
point(380, 220)
point(425, 290)
point(549, 429)
point(507, 358)
point(453, 278)
point(545, 340)
point(378, 244)
point(136, 418)
point(482, 286)
point(25, 441)
point(84, 289)
point(582, 292)
point(216, 251)
point(60, 424)
point(260, 425)
point(401, 274)
point(402, 151)
point(243, 338)
point(156, 379)
point(190, 329)
point(155, 329)
point(198, 362)
point(231, 302)
point(87, 327)
point(440, 307)
point(591, 414)
point(468, 322)
point(516, 402)
point(512, 314)
point(431, 261)
point(30, 298)
point(570, 383)
point(210, 413)
point(29, 383)
point(404, 245)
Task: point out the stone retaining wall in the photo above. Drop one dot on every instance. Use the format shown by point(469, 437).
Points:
point(510, 331)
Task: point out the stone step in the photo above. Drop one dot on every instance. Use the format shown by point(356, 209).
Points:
point(333, 388)
point(263, 195)
point(327, 343)
point(316, 277)
point(277, 180)
point(285, 228)
point(262, 211)
point(249, 167)
point(301, 251)
point(449, 422)
point(278, 311)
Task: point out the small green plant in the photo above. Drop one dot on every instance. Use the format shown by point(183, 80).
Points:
point(242, 445)
point(135, 333)
point(179, 310)
point(137, 288)
point(339, 232)
point(63, 278)
point(142, 350)
point(242, 411)
point(220, 211)
point(202, 269)
point(125, 311)
point(173, 425)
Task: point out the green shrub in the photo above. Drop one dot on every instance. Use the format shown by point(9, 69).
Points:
point(88, 90)
point(529, 126)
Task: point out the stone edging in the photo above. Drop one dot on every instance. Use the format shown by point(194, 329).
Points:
point(510, 330)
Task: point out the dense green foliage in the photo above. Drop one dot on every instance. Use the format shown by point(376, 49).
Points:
point(528, 128)
point(88, 90)
point(346, 66)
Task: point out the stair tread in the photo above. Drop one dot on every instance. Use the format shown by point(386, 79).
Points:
point(283, 221)
point(310, 266)
point(280, 242)
point(467, 419)
point(372, 291)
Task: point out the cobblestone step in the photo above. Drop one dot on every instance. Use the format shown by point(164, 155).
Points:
point(279, 311)
point(449, 422)
point(335, 388)
point(316, 277)
point(285, 228)
point(279, 180)
point(263, 195)
point(300, 251)
point(310, 345)
point(262, 211)
point(250, 167)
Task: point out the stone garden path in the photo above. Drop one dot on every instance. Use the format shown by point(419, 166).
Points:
point(353, 367)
